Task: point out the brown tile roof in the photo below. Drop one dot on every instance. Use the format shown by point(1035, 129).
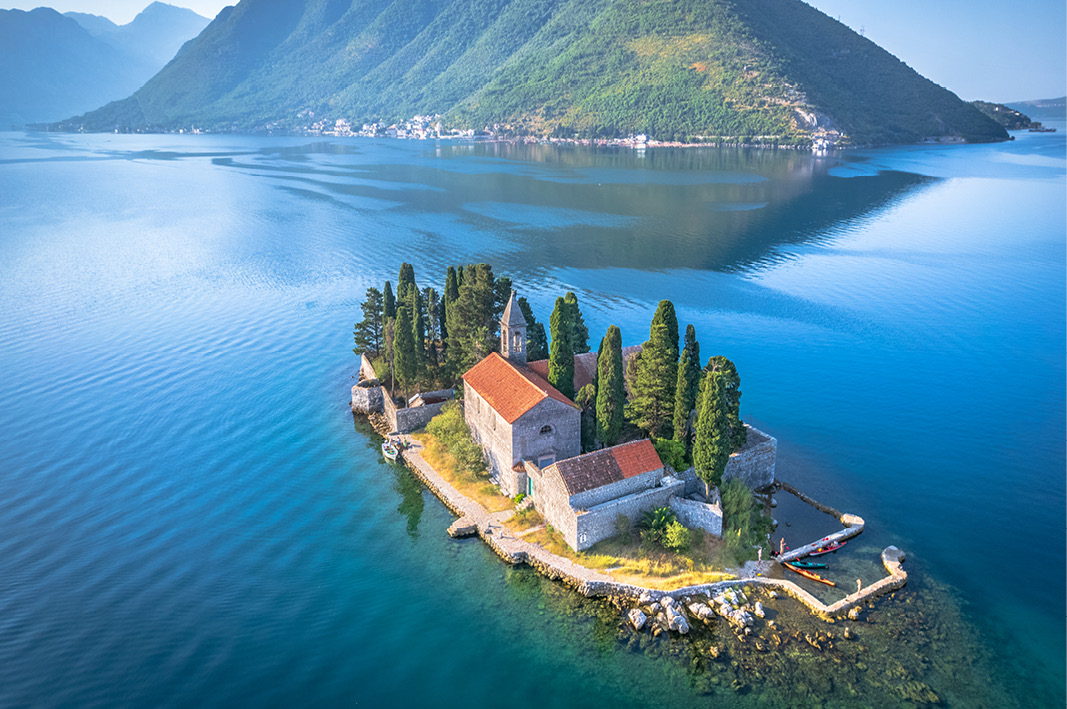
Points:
point(606, 466)
point(584, 366)
point(510, 389)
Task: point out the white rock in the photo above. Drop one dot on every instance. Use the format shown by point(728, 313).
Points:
point(646, 597)
point(683, 624)
point(758, 609)
point(667, 601)
point(772, 594)
point(655, 607)
point(638, 618)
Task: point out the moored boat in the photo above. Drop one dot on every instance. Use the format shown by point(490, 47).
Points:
point(390, 451)
point(808, 564)
point(828, 548)
point(809, 574)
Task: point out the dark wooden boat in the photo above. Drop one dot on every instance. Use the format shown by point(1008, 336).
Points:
point(809, 574)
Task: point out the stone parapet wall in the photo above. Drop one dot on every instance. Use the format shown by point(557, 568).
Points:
point(754, 464)
point(367, 400)
point(698, 515)
point(599, 522)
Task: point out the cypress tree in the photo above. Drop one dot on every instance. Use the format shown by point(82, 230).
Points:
point(665, 316)
point(471, 326)
point(610, 393)
point(388, 302)
point(405, 282)
point(731, 382)
point(502, 288)
point(418, 328)
point(651, 405)
point(368, 331)
point(405, 358)
point(536, 340)
point(687, 387)
point(448, 299)
point(711, 444)
point(561, 355)
point(433, 328)
point(580, 335)
point(586, 399)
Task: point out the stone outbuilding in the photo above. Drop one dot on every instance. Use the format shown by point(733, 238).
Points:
point(583, 497)
point(514, 413)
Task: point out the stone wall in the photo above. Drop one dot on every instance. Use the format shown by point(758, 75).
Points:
point(563, 441)
point(611, 491)
point(367, 399)
point(493, 434)
point(410, 419)
point(754, 464)
point(698, 515)
point(599, 522)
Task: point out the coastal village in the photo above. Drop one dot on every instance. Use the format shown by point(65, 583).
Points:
point(564, 471)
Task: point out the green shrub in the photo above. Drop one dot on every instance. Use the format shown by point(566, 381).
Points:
point(519, 498)
point(677, 538)
point(671, 452)
point(451, 430)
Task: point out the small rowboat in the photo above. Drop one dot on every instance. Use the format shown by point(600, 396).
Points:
point(809, 574)
point(828, 548)
point(808, 564)
point(390, 451)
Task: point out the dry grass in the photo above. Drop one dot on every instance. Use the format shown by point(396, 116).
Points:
point(523, 520)
point(473, 485)
point(624, 560)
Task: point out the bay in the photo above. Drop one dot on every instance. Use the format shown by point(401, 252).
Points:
point(190, 516)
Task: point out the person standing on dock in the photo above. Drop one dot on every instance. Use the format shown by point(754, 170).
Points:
point(781, 547)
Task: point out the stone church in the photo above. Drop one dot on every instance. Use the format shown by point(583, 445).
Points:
point(531, 435)
point(514, 413)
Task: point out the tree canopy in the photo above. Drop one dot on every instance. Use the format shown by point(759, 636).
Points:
point(610, 391)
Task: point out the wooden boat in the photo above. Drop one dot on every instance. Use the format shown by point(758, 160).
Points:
point(828, 548)
point(808, 564)
point(390, 451)
point(809, 574)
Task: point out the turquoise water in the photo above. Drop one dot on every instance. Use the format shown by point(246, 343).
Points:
point(188, 515)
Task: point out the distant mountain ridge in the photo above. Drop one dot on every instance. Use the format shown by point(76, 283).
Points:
point(765, 70)
point(1054, 109)
point(52, 65)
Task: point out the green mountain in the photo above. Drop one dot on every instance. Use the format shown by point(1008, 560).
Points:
point(1005, 116)
point(763, 69)
point(52, 65)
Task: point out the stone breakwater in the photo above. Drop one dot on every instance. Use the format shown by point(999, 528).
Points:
point(473, 519)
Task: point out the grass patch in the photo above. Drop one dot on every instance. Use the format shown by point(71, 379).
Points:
point(625, 559)
point(523, 520)
point(476, 486)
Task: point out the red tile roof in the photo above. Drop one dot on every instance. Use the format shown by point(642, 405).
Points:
point(584, 366)
point(510, 389)
point(608, 465)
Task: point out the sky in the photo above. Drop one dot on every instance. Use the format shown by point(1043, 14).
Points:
point(979, 49)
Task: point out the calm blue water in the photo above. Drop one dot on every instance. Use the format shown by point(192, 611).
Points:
point(189, 517)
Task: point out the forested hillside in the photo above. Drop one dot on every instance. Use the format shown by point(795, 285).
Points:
point(769, 70)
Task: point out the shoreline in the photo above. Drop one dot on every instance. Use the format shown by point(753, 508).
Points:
point(473, 519)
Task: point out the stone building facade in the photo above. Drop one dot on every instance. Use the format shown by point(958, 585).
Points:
point(514, 413)
point(583, 497)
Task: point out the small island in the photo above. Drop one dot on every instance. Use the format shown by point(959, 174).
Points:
point(626, 473)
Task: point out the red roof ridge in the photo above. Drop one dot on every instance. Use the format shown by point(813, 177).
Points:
point(487, 378)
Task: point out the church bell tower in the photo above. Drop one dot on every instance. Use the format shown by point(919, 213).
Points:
point(513, 332)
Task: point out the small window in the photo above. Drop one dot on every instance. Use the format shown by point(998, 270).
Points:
point(516, 341)
point(546, 430)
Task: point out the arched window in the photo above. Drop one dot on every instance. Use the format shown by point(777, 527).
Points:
point(546, 430)
point(516, 341)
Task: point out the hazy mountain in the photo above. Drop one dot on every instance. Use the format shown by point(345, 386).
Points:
point(1046, 109)
point(155, 35)
point(52, 66)
point(771, 68)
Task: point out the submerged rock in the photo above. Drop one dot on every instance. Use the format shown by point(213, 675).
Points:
point(758, 610)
